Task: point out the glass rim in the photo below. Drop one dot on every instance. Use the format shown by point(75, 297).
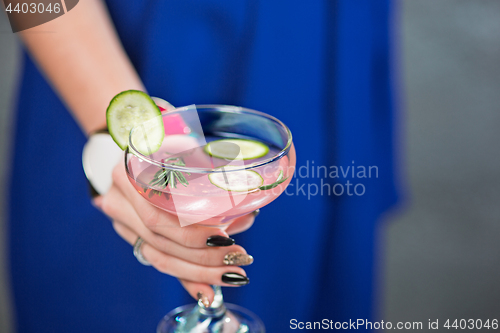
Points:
point(223, 108)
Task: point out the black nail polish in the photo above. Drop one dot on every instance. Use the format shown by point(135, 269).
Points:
point(235, 279)
point(218, 240)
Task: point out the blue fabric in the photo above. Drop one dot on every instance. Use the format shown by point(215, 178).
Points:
point(322, 67)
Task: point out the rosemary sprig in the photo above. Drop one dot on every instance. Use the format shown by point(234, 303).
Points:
point(166, 177)
point(278, 181)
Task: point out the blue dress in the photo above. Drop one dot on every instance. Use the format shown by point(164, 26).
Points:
point(322, 67)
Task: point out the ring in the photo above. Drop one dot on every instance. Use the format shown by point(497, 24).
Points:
point(138, 253)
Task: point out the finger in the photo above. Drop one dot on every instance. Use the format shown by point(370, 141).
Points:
point(97, 201)
point(206, 256)
point(241, 224)
point(124, 232)
point(157, 220)
point(199, 291)
point(192, 236)
point(148, 213)
point(229, 276)
point(234, 255)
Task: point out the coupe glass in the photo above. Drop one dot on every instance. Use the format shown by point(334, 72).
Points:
point(209, 188)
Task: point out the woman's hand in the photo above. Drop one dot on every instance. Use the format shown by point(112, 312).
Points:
point(198, 256)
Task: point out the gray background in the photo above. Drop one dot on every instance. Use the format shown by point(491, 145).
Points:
point(443, 251)
point(8, 68)
point(440, 250)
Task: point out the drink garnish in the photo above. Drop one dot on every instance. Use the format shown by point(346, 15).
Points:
point(132, 108)
point(232, 148)
point(236, 181)
point(278, 181)
point(167, 177)
point(242, 180)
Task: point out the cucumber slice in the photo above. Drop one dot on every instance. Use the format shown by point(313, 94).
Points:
point(129, 109)
point(230, 148)
point(236, 181)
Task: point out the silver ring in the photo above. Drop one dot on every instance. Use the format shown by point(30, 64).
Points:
point(138, 253)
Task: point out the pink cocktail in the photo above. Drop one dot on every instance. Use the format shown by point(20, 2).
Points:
point(216, 163)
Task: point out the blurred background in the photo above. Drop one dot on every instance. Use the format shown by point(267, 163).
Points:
point(440, 250)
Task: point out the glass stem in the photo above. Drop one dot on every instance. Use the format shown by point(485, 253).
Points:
point(218, 299)
point(217, 308)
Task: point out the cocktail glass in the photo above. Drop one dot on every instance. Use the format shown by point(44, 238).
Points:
point(184, 179)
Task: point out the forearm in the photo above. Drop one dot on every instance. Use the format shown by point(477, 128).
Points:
point(84, 61)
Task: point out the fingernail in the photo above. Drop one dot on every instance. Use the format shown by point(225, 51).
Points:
point(218, 240)
point(203, 299)
point(256, 212)
point(237, 259)
point(235, 279)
